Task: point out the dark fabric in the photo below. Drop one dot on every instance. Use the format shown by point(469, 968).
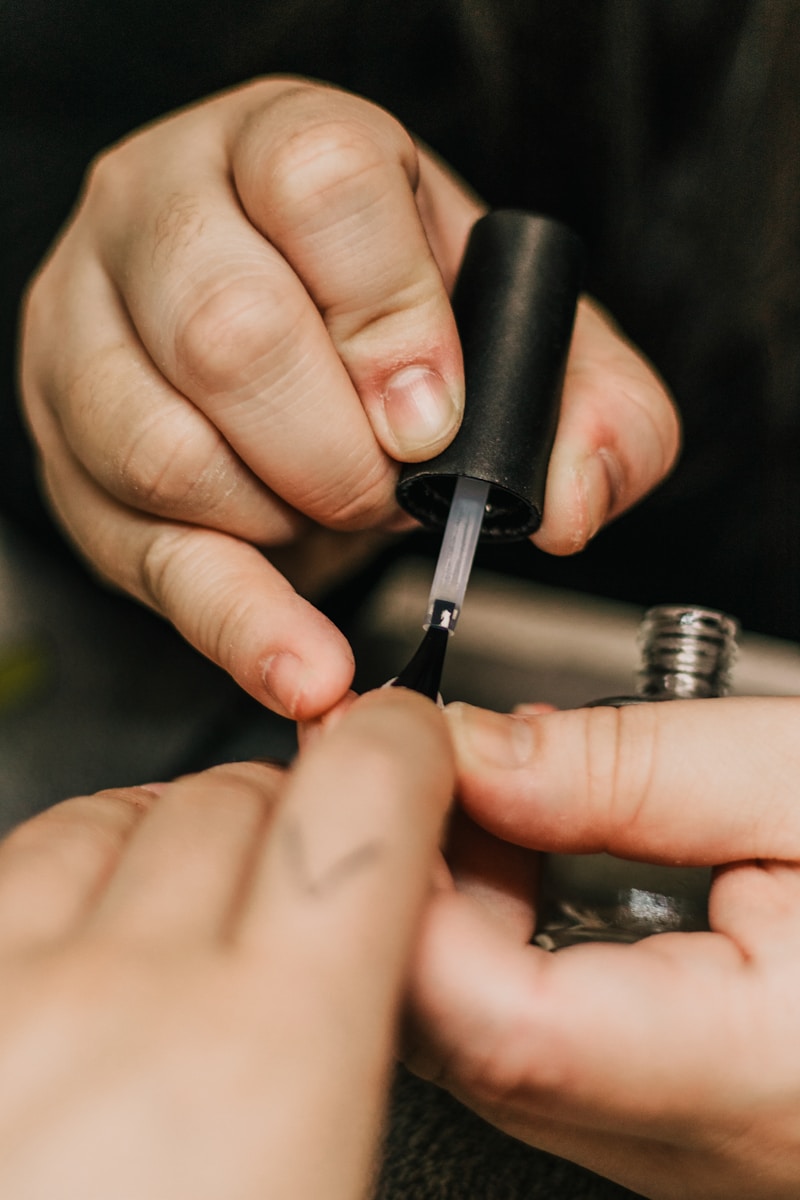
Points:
point(435, 1149)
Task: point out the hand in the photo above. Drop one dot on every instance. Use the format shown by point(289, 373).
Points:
point(200, 989)
point(242, 330)
point(671, 1065)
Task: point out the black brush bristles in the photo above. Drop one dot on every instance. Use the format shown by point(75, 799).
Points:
point(424, 671)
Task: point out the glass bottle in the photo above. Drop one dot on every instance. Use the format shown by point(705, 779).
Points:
point(686, 653)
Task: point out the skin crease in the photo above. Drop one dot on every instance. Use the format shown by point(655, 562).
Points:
point(670, 1066)
point(241, 331)
point(218, 1022)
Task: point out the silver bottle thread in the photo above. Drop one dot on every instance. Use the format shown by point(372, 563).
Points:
point(686, 653)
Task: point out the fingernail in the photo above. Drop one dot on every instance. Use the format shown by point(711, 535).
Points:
point(600, 482)
point(496, 739)
point(284, 677)
point(419, 408)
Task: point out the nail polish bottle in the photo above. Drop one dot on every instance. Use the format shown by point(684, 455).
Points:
point(514, 304)
point(686, 653)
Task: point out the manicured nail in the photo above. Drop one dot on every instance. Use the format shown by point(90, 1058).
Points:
point(419, 408)
point(497, 739)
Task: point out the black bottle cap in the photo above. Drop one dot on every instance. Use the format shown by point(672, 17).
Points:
point(514, 304)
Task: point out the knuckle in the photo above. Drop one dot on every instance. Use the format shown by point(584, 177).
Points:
point(37, 305)
point(166, 472)
point(367, 502)
point(412, 307)
point(325, 157)
point(621, 753)
point(106, 181)
point(178, 223)
point(602, 766)
point(162, 561)
point(230, 335)
point(82, 825)
point(256, 777)
point(27, 840)
point(495, 1071)
point(177, 578)
point(227, 635)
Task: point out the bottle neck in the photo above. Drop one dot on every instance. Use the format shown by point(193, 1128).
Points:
point(687, 653)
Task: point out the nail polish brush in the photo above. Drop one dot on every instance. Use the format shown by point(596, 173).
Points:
point(514, 304)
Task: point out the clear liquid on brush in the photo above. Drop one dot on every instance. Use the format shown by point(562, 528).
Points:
point(459, 542)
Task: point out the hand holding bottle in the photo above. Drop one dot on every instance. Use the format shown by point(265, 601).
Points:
point(243, 329)
point(670, 1065)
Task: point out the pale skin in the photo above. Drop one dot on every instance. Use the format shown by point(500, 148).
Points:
point(242, 330)
point(201, 981)
point(671, 1066)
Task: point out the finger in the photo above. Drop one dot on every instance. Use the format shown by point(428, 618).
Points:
point(618, 435)
point(330, 180)
point(53, 866)
point(348, 864)
point(362, 818)
point(227, 321)
point(135, 434)
point(448, 208)
point(690, 782)
point(499, 876)
point(187, 866)
point(633, 1039)
point(335, 905)
point(221, 594)
point(757, 905)
point(311, 731)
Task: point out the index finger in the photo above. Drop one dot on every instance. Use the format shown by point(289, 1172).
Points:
point(332, 182)
point(348, 862)
point(700, 782)
point(335, 906)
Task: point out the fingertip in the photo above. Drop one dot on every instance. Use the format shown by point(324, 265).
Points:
point(421, 411)
point(487, 739)
point(310, 731)
point(302, 688)
point(409, 713)
point(411, 730)
point(582, 495)
point(618, 435)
